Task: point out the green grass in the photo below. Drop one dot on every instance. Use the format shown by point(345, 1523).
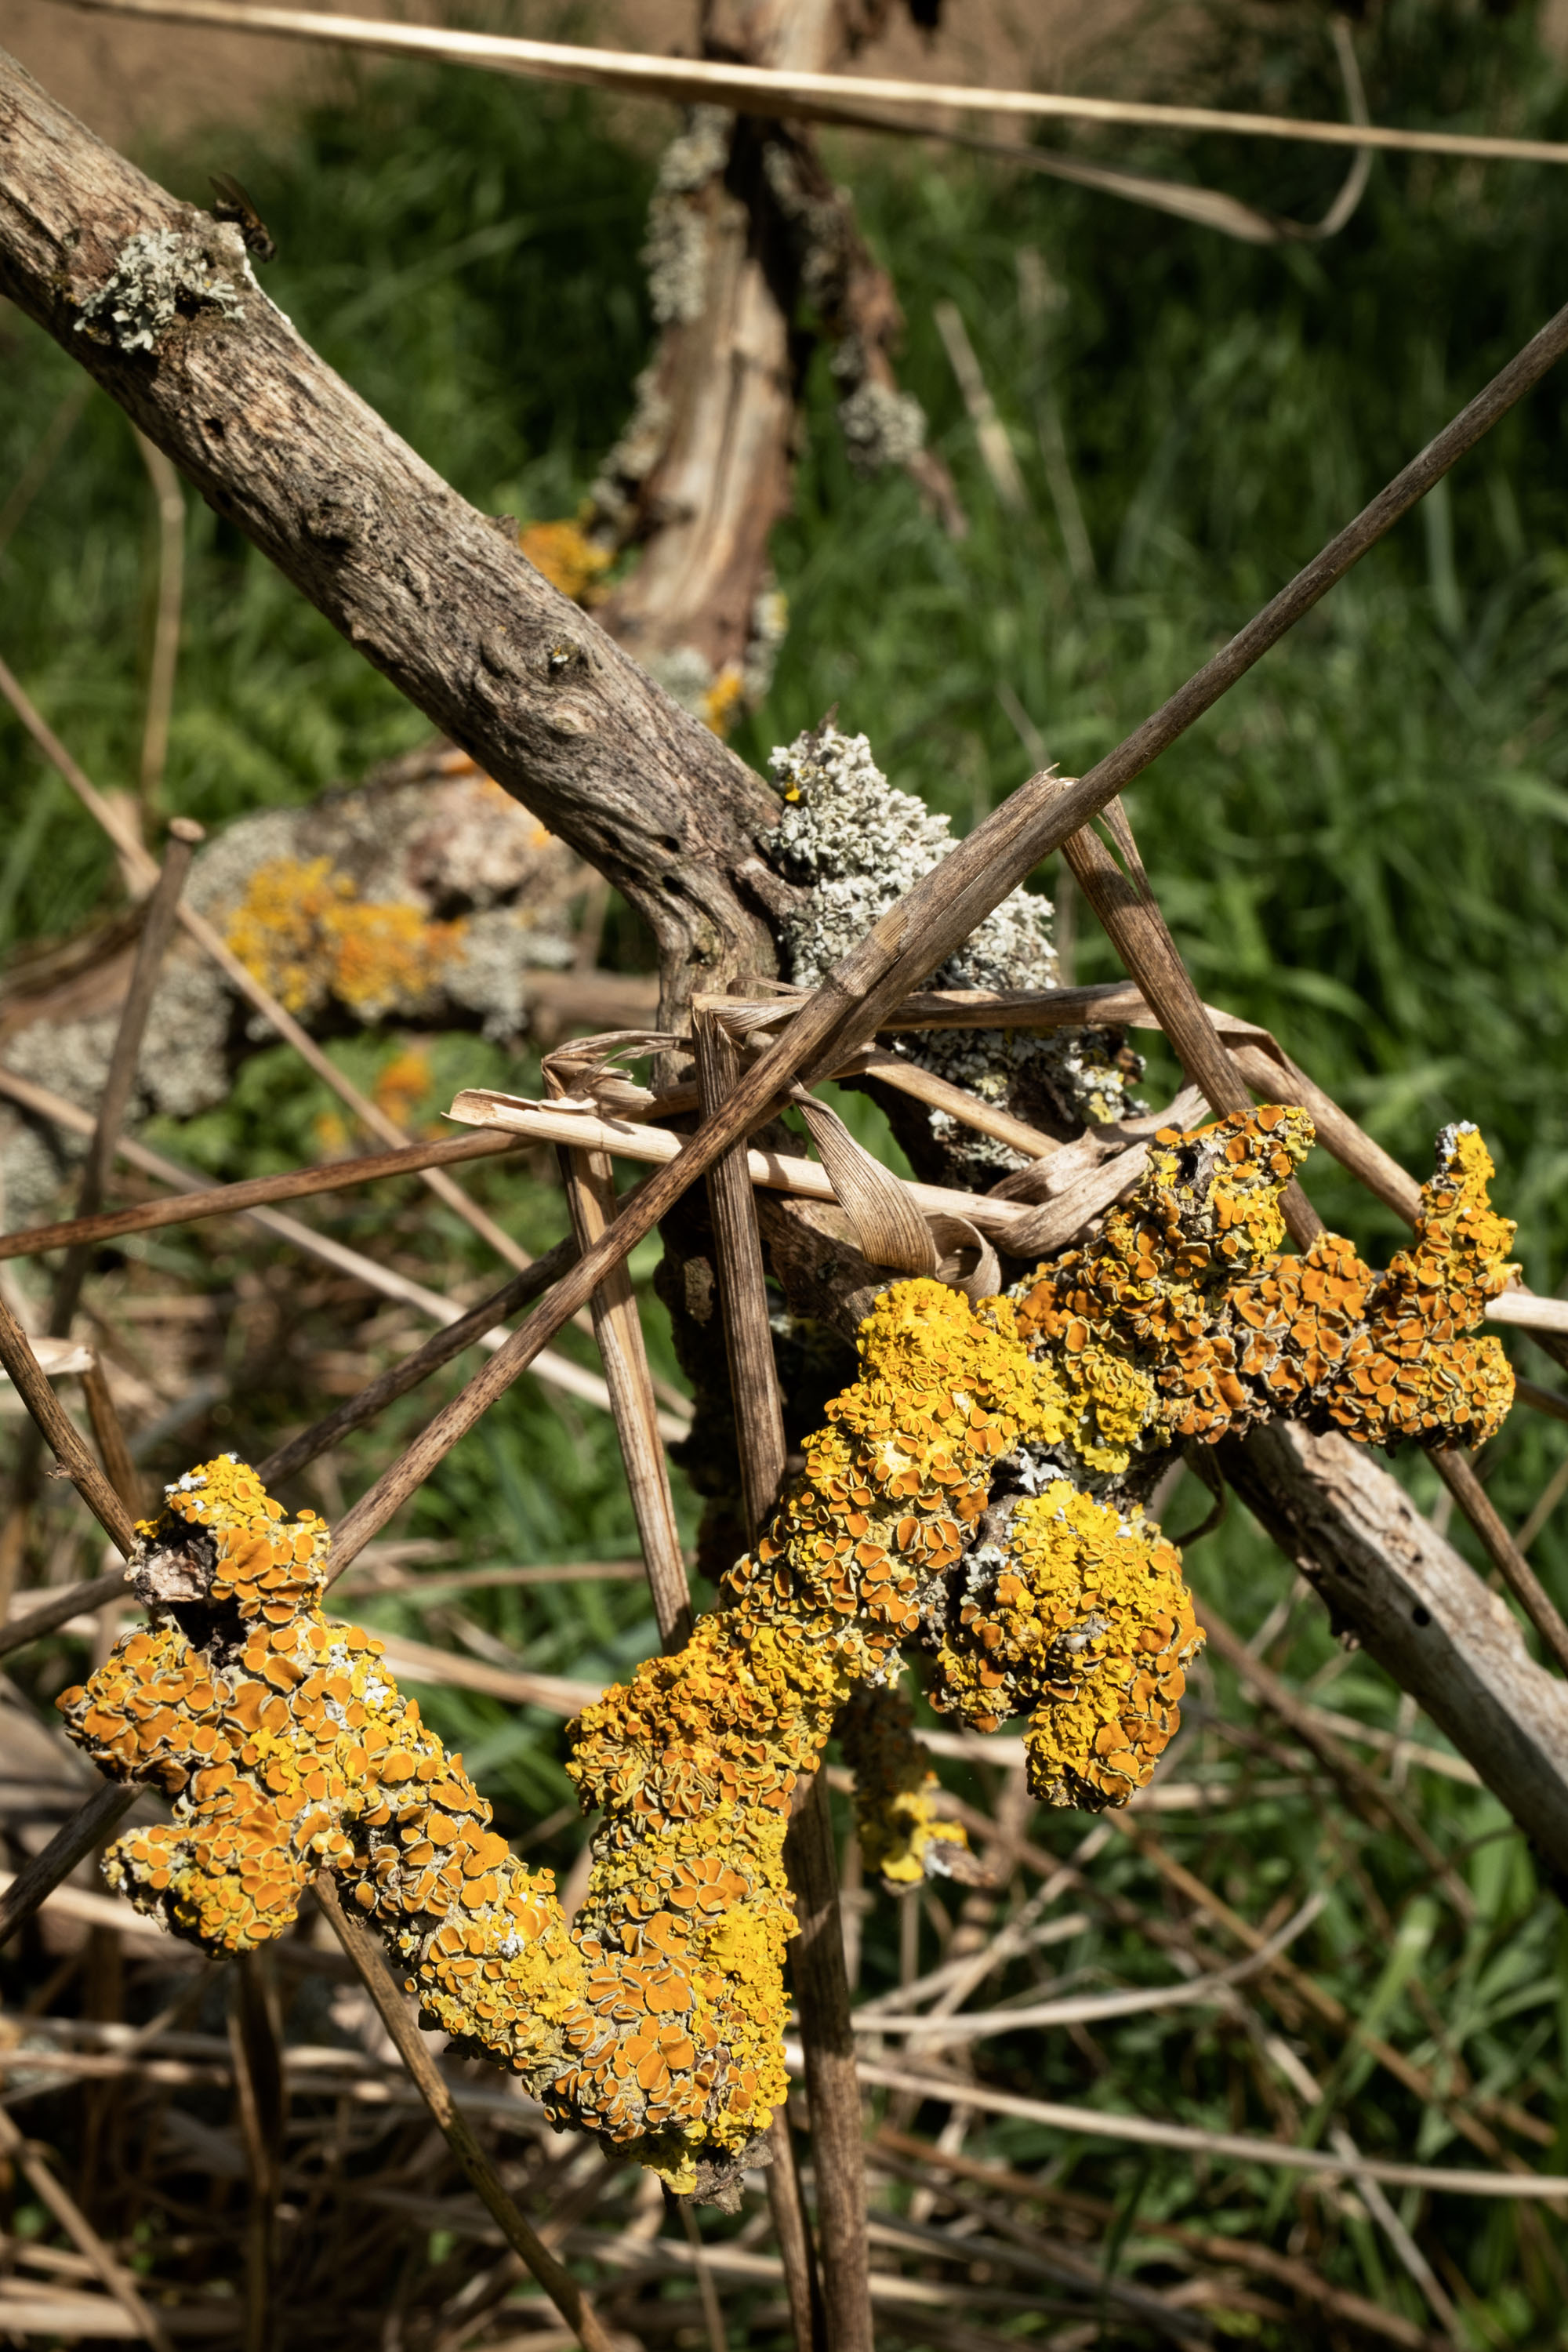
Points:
point(1361, 848)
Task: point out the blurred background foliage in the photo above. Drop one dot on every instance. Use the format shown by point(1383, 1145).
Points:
point(1361, 848)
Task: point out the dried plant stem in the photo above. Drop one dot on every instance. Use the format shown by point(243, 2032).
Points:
point(171, 504)
point(811, 96)
point(1454, 1468)
point(103, 1813)
point(376, 1977)
point(109, 1432)
point(760, 1432)
point(832, 2080)
point(590, 1184)
point(1138, 930)
point(70, 1600)
point(256, 1191)
point(254, 2044)
point(53, 2193)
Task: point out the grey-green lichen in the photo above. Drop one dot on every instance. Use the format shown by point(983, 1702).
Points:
point(860, 844)
point(162, 275)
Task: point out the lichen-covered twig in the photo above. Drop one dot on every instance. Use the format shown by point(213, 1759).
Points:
point(974, 1492)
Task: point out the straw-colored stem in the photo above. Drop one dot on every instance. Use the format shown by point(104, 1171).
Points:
point(366, 1955)
point(590, 1184)
point(1454, 1468)
point(109, 1431)
point(760, 1435)
point(22, 1365)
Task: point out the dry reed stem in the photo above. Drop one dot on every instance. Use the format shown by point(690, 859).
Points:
point(70, 1600)
point(22, 1365)
point(810, 97)
point(255, 1191)
point(590, 1184)
point(399, 1377)
point(370, 1962)
point(109, 1431)
point(547, 1367)
point(818, 2316)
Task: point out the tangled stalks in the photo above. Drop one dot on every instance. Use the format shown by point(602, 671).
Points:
point(973, 1493)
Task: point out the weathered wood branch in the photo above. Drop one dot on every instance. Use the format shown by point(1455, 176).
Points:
point(1414, 1604)
point(156, 300)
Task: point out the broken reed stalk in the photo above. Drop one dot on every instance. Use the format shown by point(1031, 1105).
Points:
point(255, 2040)
point(938, 913)
point(83, 1230)
point(370, 1963)
point(835, 2310)
point(52, 2192)
point(244, 981)
point(157, 928)
point(109, 1431)
point(590, 1183)
point(101, 1814)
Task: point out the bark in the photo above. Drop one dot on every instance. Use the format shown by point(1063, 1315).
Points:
point(1390, 1581)
point(436, 595)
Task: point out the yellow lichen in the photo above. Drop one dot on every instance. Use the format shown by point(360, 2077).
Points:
point(568, 558)
point(302, 929)
point(966, 1492)
point(722, 703)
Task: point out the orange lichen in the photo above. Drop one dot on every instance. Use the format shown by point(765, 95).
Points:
point(966, 1492)
point(403, 1085)
point(302, 929)
point(569, 559)
point(723, 702)
point(1185, 1298)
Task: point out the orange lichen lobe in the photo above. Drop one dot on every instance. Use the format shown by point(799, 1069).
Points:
point(1186, 1291)
point(303, 931)
point(904, 1836)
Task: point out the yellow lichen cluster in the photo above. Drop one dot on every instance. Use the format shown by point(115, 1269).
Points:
point(1183, 1321)
point(568, 558)
point(1079, 1612)
point(988, 1439)
point(904, 1838)
point(303, 931)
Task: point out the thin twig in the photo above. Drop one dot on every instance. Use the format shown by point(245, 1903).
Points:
point(232, 1199)
point(759, 1438)
point(109, 1431)
point(36, 1394)
point(367, 1957)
